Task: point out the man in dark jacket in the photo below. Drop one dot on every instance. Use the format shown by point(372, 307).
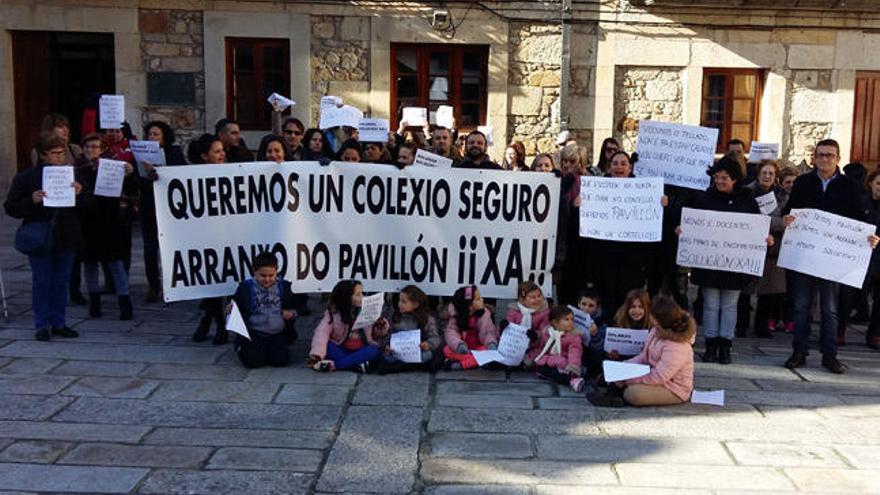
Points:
point(235, 147)
point(827, 190)
point(476, 157)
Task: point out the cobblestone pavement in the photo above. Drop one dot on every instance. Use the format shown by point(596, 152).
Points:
point(136, 407)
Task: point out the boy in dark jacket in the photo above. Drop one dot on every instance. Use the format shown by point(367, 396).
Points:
point(266, 306)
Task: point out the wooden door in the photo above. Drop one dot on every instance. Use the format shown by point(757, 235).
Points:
point(866, 120)
point(31, 81)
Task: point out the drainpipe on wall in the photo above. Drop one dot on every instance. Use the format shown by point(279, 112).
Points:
point(565, 66)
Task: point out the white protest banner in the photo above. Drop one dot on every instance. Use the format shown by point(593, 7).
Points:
point(622, 209)
point(711, 397)
point(58, 185)
point(719, 240)
point(346, 115)
point(371, 310)
point(827, 246)
point(615, 371)
point(387, 227)
point(763, 151)
point(283, 102)
point(235, 322)
point(488, 131)
point(626, 341)
point(108, 182)
point(512, 348)
point(405, 345)
point(767, 202)
point(111, 111)
point(428, 159)
point(373, 130)
point(582, 320)
point(415, 116)
point(680, 154)
point(445, 117)
point(147, 152)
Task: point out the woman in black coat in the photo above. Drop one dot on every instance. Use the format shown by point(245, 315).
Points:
point(872, 338)
point(720, 288)
point(50, 261)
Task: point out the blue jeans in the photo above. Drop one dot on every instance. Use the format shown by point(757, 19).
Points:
point(50, 275)
point(117, 271)
point(719, 312)
point(802, 287)
point(344, 359)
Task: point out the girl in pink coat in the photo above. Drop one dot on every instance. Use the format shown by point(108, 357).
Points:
point(335, 344)
point(559, 358)
point(669, 352)
point(532, 312)
point(469, 328)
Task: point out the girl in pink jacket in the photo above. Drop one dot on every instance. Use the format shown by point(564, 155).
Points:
point(559, 358)
point(669, 352)
point(469, 328)
point(335, 344)
point(532, 312)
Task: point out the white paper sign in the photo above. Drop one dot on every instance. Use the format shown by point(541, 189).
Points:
point(627, 342)
point(58, 185)
point(108, 182)
point(428, 159)
point(512, 348)
point(373, 130)
point(582, 320)
point(680, 154)
point(445, 117)
point(111, 111)
point(488, 131)
point(371, 310)
point(330, 101)
point(235, 322)
point(718, 240)
point(615, 371)
point(148, 152)
point(415, 116)
point(767, 203)
point(763, 151)
point(346, 115)
point(622, 209)
point(283, 102)
point(485, 357)
point(405, 345)
point(827, 246)
point(711, 397)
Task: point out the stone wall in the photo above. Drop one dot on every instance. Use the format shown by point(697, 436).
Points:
point(644, 93)
point(340, 60)
point(811, 114)
point(172, 41)
point(582, 84)
point(534, 81)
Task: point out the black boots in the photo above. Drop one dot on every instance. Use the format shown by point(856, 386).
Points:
point(724, 350)
point(125, 309)
point(711, 354)
point(95, 305)
point(202, 330)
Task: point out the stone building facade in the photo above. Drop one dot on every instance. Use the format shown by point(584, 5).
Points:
point(623, 61)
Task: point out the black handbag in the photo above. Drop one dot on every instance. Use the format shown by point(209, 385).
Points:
point(35, 238)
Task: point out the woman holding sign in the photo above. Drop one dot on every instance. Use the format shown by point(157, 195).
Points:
point(49, 234)
point(721, 288)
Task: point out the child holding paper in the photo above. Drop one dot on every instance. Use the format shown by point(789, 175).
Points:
point(633, 314)
point(561, 353)
point(266, 306)
point(469, 328)
point(531, 312)
point(413, 313)
point(335, 344)
point(669, 352)
point(590, 302)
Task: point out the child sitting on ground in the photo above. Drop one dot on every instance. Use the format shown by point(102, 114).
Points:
point(531, 312)
point(469, 328)
point(669, 352)
point(266, 306)
point(594, 340)
point(413, 312)
point(560, 356)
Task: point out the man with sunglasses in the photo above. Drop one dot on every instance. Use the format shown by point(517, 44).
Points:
point(292, 131)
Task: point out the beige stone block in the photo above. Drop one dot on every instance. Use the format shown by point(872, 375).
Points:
point(355, 29)
point(525, 100)
point(748, 36)
point(324, 30)
point(835, 480)
point(662, 90)
point(735, 55)
point(541, 48)
point(857, 50)
point(861, 456)
point(161, 49)
point(355, 93)
point(182, 64)
point(808, 105)
point(810, 56)
point(693, 476)
point(580, 112)
point(652, 52)
point(771, 454)
point(583, 48)
point(803, 36)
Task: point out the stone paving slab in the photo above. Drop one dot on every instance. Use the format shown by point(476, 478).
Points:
point(696, 476)
point(35, 451)
point(31, 407)
point(266, 459)
point(477, 490)
point(834, 480)
point(449, 419)
point(376, 451)
point(602, 449)
point(107, 454)
point(301, 375)
point(214, 391)
point(99, 369)
point(621, 490)
point(199, 414)
point(31, 365)
point(33, 384)
point(240, 438)
point(515, 472)
point(118, 388)
point(296, 393)
point(227, 482)
point(74, 432)
point(484, 401)
point(194, 372)
point(402, 389)
point(480, 445)
point(106, 352)
point(70, 479)
point(771, 454)
point(496, 388)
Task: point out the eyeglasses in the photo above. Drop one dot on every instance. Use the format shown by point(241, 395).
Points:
point(288, 132)
point(826, 155)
